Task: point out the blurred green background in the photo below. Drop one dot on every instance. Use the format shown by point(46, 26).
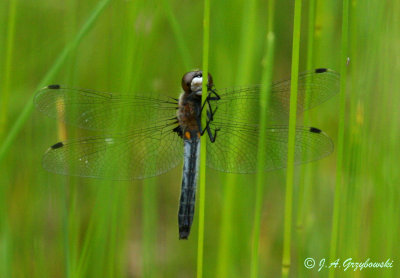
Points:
point(57, 226)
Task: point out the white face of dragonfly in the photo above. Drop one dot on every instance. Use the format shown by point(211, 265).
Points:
point(195, 86)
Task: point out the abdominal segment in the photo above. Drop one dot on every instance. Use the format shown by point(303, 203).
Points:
point(189, 184)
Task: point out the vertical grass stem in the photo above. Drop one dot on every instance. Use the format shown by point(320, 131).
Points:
point(262, 140)
point(340, 146)
point(203, 142)
point(291, 140)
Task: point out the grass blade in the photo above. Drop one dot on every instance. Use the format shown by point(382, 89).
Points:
point(244, 74)
point(7, 65)
point(307, 170)
point(203, 142)
point(5, 238)
point(291, 141)
point(340, 146)
point(265, 91)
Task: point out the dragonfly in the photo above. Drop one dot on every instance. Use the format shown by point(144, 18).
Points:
point(145, 135)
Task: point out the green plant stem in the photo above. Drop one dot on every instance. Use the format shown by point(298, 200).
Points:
point(226, 225)
point(291, 140)
point(247, 42)
point(311, 35)
point(67, 193)
point(244, 74)
point(203, 142)
point(5, 92)
point(19, 123)
point(149, 231)
point(307, 170)
point(262, 139)
point(5, 239)
point(340, 146)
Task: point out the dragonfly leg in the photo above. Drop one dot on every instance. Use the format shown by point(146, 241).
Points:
point(209, 120)
point(198, 119)
point(206, 101)
point(209, 97)
point(201, 129)
point(212, 136)
point(208, 128)
point(216, 96)
point(210, 115)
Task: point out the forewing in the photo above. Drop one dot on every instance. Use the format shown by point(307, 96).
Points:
point(140, 154)
point(242, 104)
point(236, 147)
point(94, 110)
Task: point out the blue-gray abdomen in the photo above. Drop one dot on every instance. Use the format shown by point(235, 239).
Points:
point(189, 184)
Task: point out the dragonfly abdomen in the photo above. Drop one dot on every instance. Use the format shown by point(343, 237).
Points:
point(189, 184)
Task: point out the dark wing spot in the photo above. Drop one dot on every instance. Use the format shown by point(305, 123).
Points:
point(315, 130)
point(55, 87)
point(57, 145)
point(321, 70)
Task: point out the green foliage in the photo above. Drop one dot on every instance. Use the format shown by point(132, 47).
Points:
point(58, 226)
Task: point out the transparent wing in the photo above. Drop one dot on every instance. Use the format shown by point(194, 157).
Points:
point(242, 142)
point(104, 111)
point(242, 104)
point(137, 155)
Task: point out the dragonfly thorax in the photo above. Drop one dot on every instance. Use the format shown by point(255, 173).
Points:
point(189, 109)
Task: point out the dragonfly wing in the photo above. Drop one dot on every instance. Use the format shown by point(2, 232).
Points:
point(242, 142)
point(242, 104)
point(140, 154)
point(94, 110)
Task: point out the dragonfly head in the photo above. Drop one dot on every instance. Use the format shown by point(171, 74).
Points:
point(192, 82)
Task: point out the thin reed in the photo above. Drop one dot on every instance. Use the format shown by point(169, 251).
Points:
point(243, 74)
point(287, 232)
point(306, 178)
point(203, 142)
point(267, 75)
point(341, 135)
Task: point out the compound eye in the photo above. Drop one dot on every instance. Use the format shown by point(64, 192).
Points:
point(210, 81)
point(187, 80)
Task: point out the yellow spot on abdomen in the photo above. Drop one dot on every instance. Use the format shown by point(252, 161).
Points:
point(187, 135)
